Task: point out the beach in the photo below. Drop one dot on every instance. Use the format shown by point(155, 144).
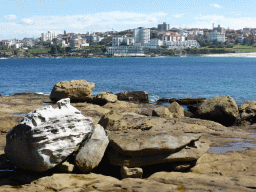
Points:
point(251, 54)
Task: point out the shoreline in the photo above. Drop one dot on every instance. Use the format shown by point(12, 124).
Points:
point(250, 54)
point(247, 54)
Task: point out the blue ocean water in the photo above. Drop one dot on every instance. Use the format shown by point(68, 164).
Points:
point(170, 77)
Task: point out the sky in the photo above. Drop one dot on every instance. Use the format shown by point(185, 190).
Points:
point(30, 18)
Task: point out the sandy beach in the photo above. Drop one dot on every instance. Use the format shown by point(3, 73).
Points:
point(252, 54)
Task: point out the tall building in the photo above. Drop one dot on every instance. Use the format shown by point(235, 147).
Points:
point(164, 26)
point(141, 35)
point(219, 29)
point(48, 36)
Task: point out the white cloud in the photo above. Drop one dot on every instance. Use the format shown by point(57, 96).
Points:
point(231, 22)
point(10, 17)
point(216, 6)
point(104, 21)
point(178, 15)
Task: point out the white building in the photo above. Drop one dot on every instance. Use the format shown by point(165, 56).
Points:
point(77, 42)
point(141, 35)
point(48, 36)
point(135, 50)
point(216, 36)
point(117, 41)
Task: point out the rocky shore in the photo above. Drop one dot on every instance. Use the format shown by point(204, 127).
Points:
point(123, 143)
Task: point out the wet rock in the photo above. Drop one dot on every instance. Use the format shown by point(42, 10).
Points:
point(221, 109)
point(112, 121)
point(135, 172)
point(186, 101)
point(46, 136)
point(176, 110)
point(141, 96)
point(104, 98)
point(76, 90)
point(162, 112)
point(91, 152)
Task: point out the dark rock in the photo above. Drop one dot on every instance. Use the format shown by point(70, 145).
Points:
point(221, 109)
point(141, 96)
point(187, 101)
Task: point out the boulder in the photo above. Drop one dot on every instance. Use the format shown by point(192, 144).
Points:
point(221, 109)
point(104, 98)
point(66, 167)
point(76, 90)
point(135, 172)
point(112, 121)
point(137, 149)
point(46, 136)
point(162, 112)
point(176, 110)
point(141, 96)
point(247, 112)
point(91, 152)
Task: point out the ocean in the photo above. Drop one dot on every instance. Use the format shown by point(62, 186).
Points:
point(165, 77)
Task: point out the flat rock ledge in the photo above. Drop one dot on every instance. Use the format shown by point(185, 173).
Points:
point(46, 136)
point(148, 148)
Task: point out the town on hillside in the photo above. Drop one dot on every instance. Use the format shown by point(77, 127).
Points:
point(140, 42)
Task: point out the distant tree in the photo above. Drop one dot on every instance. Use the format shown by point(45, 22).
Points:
point(15, 51)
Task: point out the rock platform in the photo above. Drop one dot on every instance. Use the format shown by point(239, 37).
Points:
point(224, 171)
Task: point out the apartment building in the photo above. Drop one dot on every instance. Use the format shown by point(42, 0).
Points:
point(77, 42)
point(163, 26)
point(117, 41)
point(216, 36)
point(49, 36)
point(141, 35)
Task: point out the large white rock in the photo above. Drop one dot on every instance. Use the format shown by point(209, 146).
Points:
point(46, 136)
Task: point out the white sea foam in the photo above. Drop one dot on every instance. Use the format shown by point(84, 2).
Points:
point(153, 98)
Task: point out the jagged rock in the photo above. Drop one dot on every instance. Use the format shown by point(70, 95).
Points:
point(46, 136)
point(141, 149)
point(221, 109)
point(92, 151)
point(162, 112)
point(247, 112)
point(135, 172)
point(104, 98)
point(66, 167)
point(176, 110)
point(76, 90)
point(141, 96)
point(112, 121)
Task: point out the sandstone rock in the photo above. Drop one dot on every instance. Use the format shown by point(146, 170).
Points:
point(92, 151)
point(103, 98)
point(46, 136)
point(198, 182)
point(247, 112)
point(220, 109)
point(76, 90)
point(176, 110)
point(141, 149)
point(135, 172)
point(66, 167)
point(162, 112)
point(141, 96)
point(112, 121)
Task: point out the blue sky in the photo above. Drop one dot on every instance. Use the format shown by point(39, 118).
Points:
point(29, 18)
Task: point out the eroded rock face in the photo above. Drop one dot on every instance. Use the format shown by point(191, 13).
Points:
point(247, 112)
point(147, 148)
point(92, 151)
point(220, 109)
point(141, 96)
point(112, 121)
point(76, 90)
point(46, 136)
